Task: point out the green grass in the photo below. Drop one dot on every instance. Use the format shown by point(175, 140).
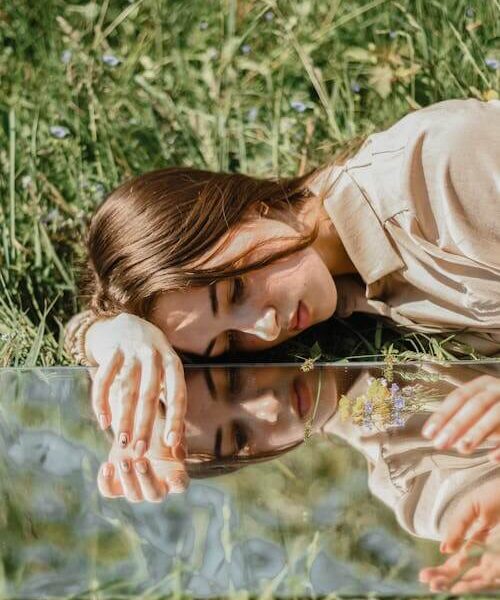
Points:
point(208, 84)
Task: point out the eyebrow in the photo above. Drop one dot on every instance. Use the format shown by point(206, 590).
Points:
point(214, 303)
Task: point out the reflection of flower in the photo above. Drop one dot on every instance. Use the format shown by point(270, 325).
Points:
point(384, 406)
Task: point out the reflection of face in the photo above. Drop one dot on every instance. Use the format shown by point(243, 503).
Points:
point(261, 316)
point(267, 409)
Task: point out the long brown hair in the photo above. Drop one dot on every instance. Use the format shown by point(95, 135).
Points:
point(145, 236)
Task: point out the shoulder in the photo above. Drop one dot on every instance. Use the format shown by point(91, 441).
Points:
point(444, 124)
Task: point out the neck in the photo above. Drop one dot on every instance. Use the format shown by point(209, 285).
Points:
point(328, 243)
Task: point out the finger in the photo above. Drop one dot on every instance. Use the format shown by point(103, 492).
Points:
point(147, 404)
point(458, 426)
point(101, 385)
point(482, 429)
point(108, 485)
point(130, 484)
point(475, 585)
point(177, 479)
point(129, 389)
point(494, 455)
point(439, 584)
point(153, 490)
point(452, 403)
point(461, 524)
point(175, 398)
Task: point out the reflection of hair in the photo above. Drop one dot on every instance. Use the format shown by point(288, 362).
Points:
point(200, 465)
point(144, 238)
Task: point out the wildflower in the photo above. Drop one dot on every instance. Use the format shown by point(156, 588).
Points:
point(298, 106)
point(252, 113)
point(111, 60)
point(398, 421)
point(399, 402)
point(392, 34)
point(66, 56)
point(203, 25)
point(383, 381)
point(355, 87)
point(53, 215)
point(213, 54)
point(307, 365)
point(245, 49)
point(394, 388)
point(26, 181)
point(368, 408)
point(469, 12)
point(492, 63)
point(269, 15)
point(58, 131)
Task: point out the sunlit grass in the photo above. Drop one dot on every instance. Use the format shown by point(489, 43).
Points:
point(92, 93)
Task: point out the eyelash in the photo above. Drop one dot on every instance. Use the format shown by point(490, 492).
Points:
point(240, 436)
point(235, 381)
point(238, 292)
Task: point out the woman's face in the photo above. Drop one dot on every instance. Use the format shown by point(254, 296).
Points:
point(258, 308)
point(250, 410)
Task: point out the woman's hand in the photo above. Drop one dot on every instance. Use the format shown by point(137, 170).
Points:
point(474, 568)
point(475, 518)
point(137, 353)
point(468, 416)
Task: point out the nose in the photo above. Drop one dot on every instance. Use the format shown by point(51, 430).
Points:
point(266, 327)
point(266, 407)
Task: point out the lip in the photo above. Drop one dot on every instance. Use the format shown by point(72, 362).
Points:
point(301, 397)
point(301, 318)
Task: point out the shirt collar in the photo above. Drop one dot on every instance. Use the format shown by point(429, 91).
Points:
point(357, 224)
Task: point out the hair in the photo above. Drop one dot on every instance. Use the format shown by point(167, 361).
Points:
point(148, 235)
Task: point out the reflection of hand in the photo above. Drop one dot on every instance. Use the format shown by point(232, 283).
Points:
point(476, 516)
point(468, 416)
point(472, 569)
point(150, 477)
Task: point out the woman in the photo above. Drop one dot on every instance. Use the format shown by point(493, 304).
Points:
point(407, 229)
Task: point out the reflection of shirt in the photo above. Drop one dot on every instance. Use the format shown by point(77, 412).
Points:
point(422, 486)
point(418, 211)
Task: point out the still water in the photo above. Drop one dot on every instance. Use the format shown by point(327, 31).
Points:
point(302, 483)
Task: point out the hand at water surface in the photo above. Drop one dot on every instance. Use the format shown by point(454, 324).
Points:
point(468, 416)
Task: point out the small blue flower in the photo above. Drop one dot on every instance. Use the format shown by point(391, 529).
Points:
point(393, 35)
point(203, 25)
point(53, 215)
point(355, 87)
point(213, 54)
point(398, 421)
point(399, 402)
point(58, 131)
point(245, 49)
point(492, 63)
point(383, 381)
point(66, 56)
point(368, 408)
point(252, 113)
point(469, 12)
point(269, 15)
point(394, 388)
point(111, 60)
point(99, 189)
point(298, 106)
point(368, 423)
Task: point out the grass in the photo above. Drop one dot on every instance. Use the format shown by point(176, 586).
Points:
point(95, 92)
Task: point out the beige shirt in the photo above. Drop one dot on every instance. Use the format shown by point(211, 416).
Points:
point(418, 211)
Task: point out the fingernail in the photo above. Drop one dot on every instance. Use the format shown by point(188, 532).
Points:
point(140, 448)
point(125, 466)
point(172, 438)
point(141, 466)
point(103, 421)
point(123, 440)
point(429, 430)
point(180, 452)
point(441, 440)
point(107, 471)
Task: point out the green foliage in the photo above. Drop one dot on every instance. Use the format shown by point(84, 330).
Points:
point(94, 92)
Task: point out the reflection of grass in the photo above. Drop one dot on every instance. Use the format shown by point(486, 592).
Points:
point(96, 92)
